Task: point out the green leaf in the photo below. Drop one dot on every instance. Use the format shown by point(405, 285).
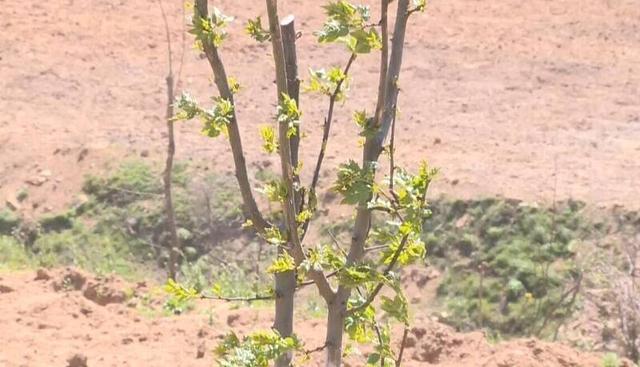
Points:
point(288, 113)
point(365, 123)
point(357, 275)
point(210, 30)
point(414, 249)
point(187, 107)
point(255, 350)
point(269, 139)
point(273, 236)
point(363, 42)
point(234, 86)
point(347, 23)
point(360, 325)
point(419, 5)
point(282, 264)
point(180, 292)
point(326, 82)
point(275, 191)
point(374, 359)
point(354, 183)
point(255, 30)
point(304, 216)
point(322, 258)
point(397, 308)
point(215, 121)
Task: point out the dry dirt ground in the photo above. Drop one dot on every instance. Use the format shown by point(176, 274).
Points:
point(54, 316)
point(532, 100)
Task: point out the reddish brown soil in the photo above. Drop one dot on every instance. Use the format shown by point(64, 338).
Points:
point(50, 317)
point(513, 98)
point(535, 100)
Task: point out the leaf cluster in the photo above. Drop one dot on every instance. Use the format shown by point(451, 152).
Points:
point(256, 31)
point(355, 183)
point(255, 350)
point(328, 82)
point(289, 114)
point(347, 24)
point(214, 120)
point(211, 29)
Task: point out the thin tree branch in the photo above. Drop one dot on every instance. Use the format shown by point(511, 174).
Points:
point(269, 297)
point(384, 57)
point(325, 137)
point(220, 78)
point(315, 350)
point(310, 282)
point(327, 123)
point(184, 45)
point(405, 334)
point(394, 260)
point(392, 150)
point(168, 35)
point(174, 241)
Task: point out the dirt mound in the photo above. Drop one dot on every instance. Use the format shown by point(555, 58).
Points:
point(51, 321)
point(102, 291)
point(438, 345)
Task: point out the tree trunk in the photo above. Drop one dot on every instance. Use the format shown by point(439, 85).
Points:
point(335, 332)
point(285, 287)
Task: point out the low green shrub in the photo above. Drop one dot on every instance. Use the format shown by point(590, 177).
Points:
point(508, 266)
point(13, 254)
point(8, 222)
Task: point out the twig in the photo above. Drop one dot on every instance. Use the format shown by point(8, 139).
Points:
point(389, 268)
point(375, 248)
point(572, 291)
point(310, 282)
point(168, 35)
point(325, 137)
point(402, 345)
point(174, 249)
point(316, 349)
point(184, 45)
point(255, 298)
point(327, 123)
point(392, 149)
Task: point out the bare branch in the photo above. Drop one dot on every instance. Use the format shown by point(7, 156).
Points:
point(405, 334)
point(174, 241)
point(184, 46)
point(266, 297)
point(392, 151)
point(307, 283)
point(315, 350)
point(384, 57)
